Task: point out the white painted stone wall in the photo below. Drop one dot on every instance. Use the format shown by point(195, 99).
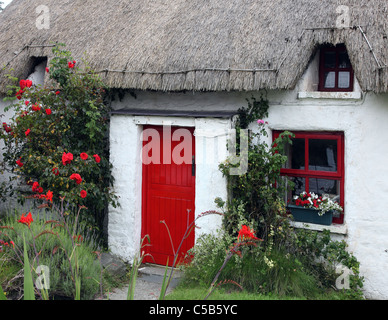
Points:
point(362, 117)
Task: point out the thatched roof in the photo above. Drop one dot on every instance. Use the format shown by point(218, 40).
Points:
point(176, 45)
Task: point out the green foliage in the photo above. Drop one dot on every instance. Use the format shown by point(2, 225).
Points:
point(260, 190)
point(69, 117)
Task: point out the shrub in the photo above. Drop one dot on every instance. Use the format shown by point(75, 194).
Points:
point(57, 138)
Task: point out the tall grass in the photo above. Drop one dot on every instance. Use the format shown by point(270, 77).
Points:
point(58, 250)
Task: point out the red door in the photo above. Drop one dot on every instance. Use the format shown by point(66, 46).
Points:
point(168, 191)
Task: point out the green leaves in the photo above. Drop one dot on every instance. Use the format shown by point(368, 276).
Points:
point(29, 293)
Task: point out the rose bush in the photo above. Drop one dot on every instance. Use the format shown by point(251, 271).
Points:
point(52, 133)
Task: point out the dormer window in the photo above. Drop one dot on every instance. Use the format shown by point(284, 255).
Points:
point(335, 70)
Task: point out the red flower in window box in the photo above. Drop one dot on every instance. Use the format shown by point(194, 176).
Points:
point(313, 201)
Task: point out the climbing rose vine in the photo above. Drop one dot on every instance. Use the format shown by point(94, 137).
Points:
point(51, 135)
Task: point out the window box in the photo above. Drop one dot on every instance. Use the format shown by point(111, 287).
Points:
point(308, 215)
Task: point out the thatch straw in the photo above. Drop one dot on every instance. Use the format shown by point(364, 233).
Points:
point(199, 44)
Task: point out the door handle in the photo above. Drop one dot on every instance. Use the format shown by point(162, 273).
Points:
point(193, 166)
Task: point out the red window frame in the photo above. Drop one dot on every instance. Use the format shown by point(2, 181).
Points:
point(329, 175)
point(322, 69)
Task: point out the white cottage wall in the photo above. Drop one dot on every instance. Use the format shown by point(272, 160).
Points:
point(362, 117)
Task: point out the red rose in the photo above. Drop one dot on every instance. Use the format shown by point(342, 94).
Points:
point(84, 156)
point(48, 111)
point(27, 132)
point(71, 65)
point(76, 177)
point(19, 94)
point(47, 70)
point(55, 171)
point(67, 158)
point(35, 107)
point(22, 84)
point(97, 158)
point(19, 162)
point(35, 186)
point(27, 102)
point(28, 83)
point(83, 194)
point(58, 92)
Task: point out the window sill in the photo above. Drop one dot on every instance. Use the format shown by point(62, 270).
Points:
point(334, 228)
point(354, 95)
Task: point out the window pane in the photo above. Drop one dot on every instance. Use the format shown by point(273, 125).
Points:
point(299, 187)
point(344, 61)
point(343, 79)
point(329, 79)
point(330, 188)
point(295, 154)
point(323, 155)
point(329, 59)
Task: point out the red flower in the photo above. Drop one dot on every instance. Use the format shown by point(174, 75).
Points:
point(78, 238)
point(58, 92)
point(25, 83)
point(67, 158)
point(83, 194)
point(6, 128)
point(22, 84)
point(71, 64)
point(19, 94)
point(26, 219)
point(27, 132)
point(48, 111)
point(55, 171)
point(246, 233)
point(26, 102)
point(19, 163)
point(97, 158)
point(49, 196)
point(76, 177)
point(47, 70)
point(84, 156)
point(35, 186)
point(35, 107)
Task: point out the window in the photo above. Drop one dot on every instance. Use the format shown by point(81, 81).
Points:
point(335, 70)
point(316, 164)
